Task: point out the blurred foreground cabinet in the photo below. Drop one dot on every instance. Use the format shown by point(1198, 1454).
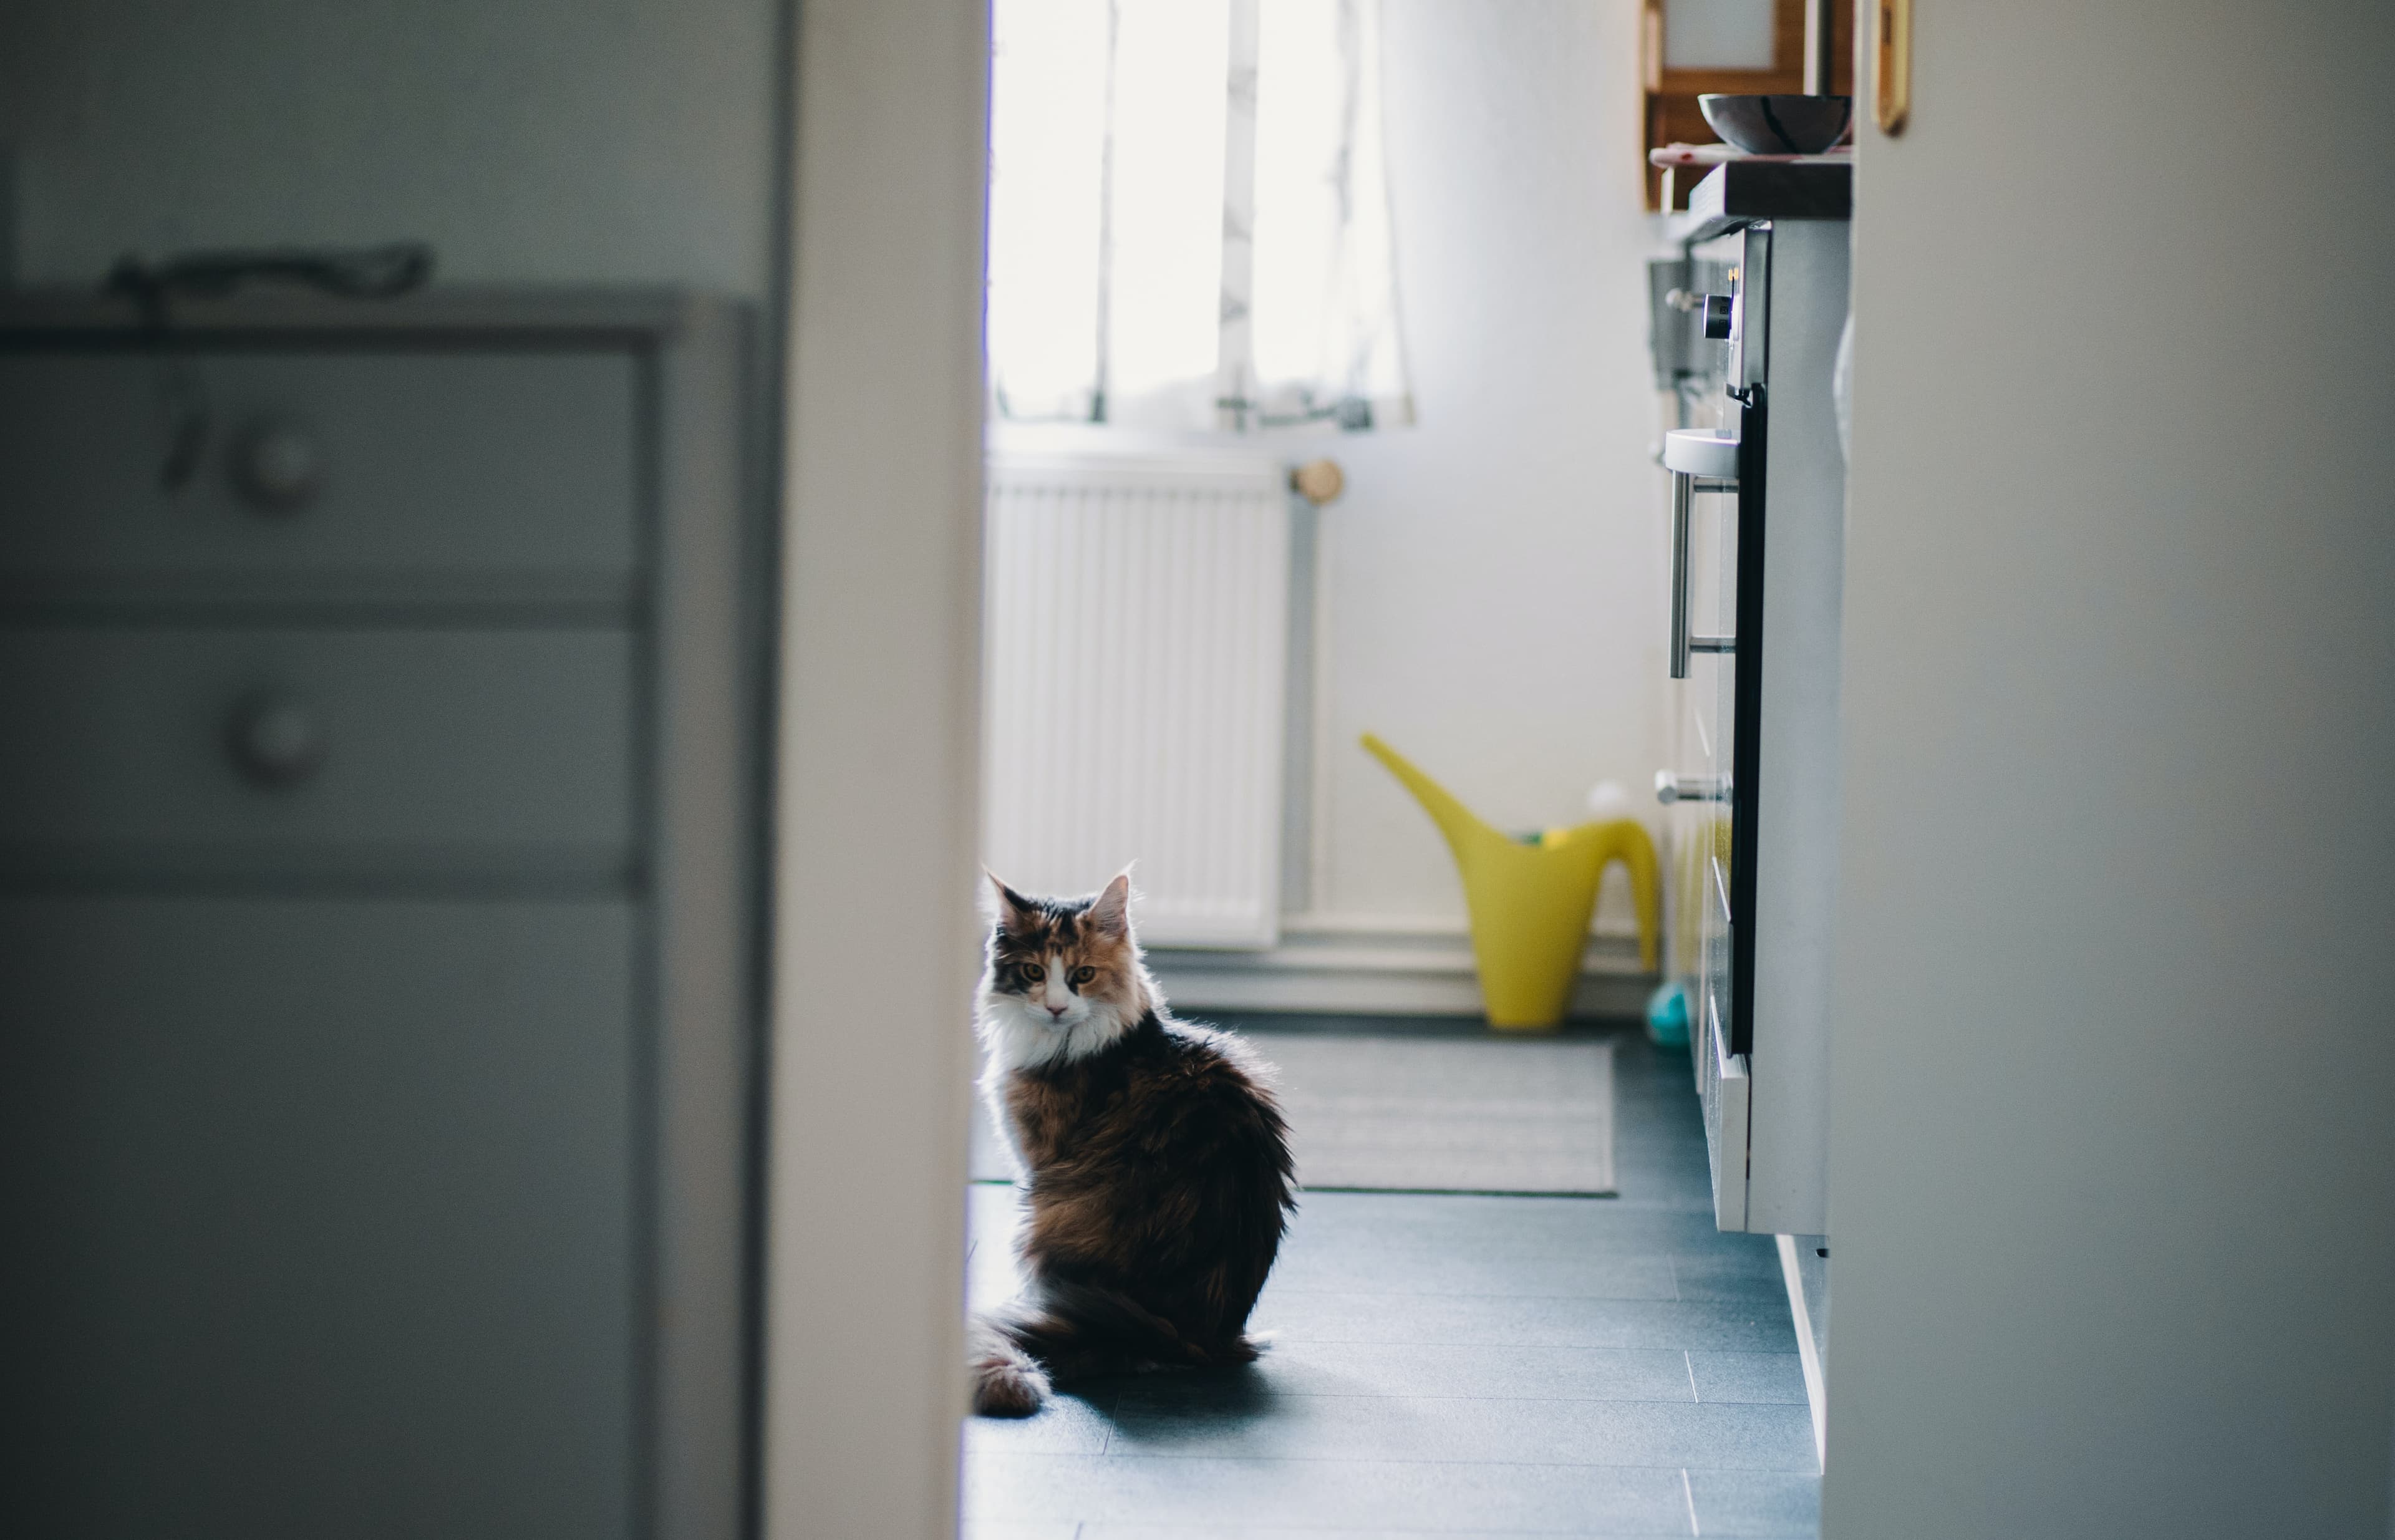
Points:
point(377, 917)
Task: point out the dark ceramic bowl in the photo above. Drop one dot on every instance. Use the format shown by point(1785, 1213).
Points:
point(1779, 125)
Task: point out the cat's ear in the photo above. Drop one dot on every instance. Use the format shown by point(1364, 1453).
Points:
point(1007, 908)
point(1110, 914)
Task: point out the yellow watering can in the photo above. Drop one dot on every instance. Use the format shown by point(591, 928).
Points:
point(1530, 900)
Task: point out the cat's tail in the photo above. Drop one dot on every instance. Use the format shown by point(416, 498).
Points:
point(1077, 1330)
point(1082, 1329)
point(1007, 1382)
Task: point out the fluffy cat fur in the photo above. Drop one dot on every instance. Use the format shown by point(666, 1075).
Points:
point(1156, 1168)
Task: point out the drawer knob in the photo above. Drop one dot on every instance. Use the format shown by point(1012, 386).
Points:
point(275, 739)
point(279, 466)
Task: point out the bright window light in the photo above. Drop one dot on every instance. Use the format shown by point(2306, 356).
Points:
point(1118, 129)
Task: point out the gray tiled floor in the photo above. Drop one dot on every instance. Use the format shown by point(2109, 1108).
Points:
point(1447, 1365)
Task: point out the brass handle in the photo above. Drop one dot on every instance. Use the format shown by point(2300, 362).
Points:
point(1892, 75)
point(1319, 482)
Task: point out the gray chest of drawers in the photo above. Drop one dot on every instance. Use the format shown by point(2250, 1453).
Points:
point(377, 917)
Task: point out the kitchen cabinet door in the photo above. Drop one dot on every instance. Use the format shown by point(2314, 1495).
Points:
point(321, 1216)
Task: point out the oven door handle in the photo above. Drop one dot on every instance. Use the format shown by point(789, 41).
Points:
point(1684, 488)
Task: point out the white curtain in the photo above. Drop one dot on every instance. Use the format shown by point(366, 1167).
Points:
point(1189, 216)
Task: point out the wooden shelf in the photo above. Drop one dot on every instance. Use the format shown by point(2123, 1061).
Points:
point(1736, 193)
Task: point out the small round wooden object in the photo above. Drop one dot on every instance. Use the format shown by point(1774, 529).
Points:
point(1319, 482)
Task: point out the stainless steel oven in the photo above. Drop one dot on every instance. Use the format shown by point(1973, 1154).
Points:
point(1757, 511)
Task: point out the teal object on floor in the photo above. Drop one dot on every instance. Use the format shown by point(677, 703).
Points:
point(1667, 1016)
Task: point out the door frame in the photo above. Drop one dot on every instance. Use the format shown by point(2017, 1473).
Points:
point(877, 771)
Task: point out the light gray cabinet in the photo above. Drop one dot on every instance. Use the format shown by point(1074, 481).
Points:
point(378, 906)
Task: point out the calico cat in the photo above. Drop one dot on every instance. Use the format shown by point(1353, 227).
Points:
point(1155, 1167)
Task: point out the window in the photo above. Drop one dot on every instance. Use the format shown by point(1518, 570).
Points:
point(1189, 216)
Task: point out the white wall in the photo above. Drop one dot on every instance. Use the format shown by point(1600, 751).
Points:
point(1496, 572)
point(2112, 1155)
point(582, 141)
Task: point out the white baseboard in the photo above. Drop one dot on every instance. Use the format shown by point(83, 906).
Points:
point(1807, 1355)
point(1417, 970)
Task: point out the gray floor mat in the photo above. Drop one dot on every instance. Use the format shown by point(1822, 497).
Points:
point(1408, 1114)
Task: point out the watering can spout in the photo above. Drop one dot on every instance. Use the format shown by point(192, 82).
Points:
point(1459, 823)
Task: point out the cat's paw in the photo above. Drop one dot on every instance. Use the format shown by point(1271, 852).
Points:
point(1008, 1387)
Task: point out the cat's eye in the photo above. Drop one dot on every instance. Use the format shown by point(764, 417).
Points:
point(1033, 973)
point(1082, 975)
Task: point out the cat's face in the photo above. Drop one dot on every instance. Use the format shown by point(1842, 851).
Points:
point(1063, 974)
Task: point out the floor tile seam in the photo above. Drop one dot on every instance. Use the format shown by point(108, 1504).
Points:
point(1118, 1460)
point(1441, 1294)
point(1629, 1253)
point(1669, 1467)
point(1332, 1533)
point(1665, 1347)
point(1285, 1396)
point(1508, 1274)
point(1639, 1244)
point(1081, 1528)
point(1606, 1197)
point(1489, 1293)
point(1658, 1198)
point(1345, 1260)
point(1656, 1169)
point(1726, 1296)
point(1610, 1214)
point(1289, 1334)
point(1368, 1460)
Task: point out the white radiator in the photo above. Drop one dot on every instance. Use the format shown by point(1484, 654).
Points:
point(1135, 640)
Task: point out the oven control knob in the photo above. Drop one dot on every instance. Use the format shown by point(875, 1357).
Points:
point(1717, 307)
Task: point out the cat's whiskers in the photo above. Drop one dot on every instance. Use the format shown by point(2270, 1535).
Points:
point(1021, 1034)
